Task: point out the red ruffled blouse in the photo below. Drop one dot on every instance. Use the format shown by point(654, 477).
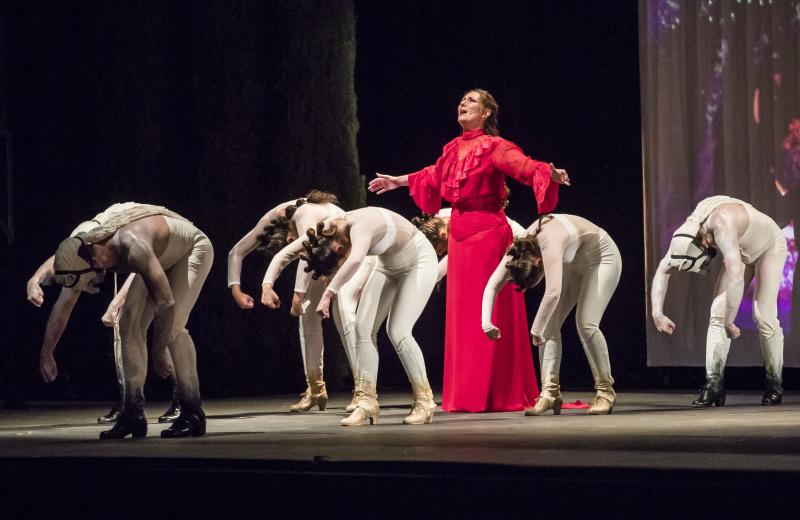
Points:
point(471, 172)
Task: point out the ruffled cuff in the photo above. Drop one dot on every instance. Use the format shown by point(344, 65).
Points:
point(545, 189)
point(426, 196)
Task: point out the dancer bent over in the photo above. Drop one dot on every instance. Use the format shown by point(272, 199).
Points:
point(397, 292)
point(751, 244)
point(581, 266)
point(173, 259)
point(65, 303)
point(277, 228)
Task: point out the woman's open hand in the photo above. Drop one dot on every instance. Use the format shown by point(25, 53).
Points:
point(383, 183)
point(559, 175)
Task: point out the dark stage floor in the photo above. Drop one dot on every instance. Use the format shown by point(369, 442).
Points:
point(654, 447)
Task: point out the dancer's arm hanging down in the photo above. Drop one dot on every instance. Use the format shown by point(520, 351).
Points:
point(278, 263)
point(307, 216)
point(111, 316)
point(135, 247)
point(725, 229)
point(56, 323)
point(496, 282)
point(59, 315)
point(361, 234)
point(244, 247)
point(42, 276)
point(552, 242)
point(658, 292)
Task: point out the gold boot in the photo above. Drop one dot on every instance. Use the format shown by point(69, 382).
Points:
point(424, 405)
point(600, 406)
point(544, 403)
point(352, 406)
point(366, 409)
point(315, 395)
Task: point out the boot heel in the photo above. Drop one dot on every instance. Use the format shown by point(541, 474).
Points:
point(322, 402)
point(373, 419)
point(720, 400)
point(557, 406)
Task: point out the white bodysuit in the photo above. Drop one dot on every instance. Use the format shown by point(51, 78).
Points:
point(398, 289)
point(582, 267)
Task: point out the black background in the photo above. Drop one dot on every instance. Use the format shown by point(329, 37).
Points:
point(176, 103)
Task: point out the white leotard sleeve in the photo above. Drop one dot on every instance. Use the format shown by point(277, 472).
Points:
point(361, 235)
point(496, 282)
point(441, 269)
point(552, 240)
point(369, 229)
point(282, 259)
point(248, 243)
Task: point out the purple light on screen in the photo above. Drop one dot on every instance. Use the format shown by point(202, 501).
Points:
point(760, 49)
point(744, 318)
point(663, 16)
point(795, 19)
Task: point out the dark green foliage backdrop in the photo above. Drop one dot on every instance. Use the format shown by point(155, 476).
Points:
point(216, 109)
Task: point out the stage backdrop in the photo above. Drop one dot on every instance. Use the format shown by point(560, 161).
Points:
point(720, 115)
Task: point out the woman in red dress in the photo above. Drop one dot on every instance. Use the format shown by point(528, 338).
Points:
point(479, 375)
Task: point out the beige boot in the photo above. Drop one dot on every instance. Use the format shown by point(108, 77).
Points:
point(315, 395)
point(545, 403)
point(601, 406)
point(352, 406)
point(424, 405)
point(366, 409)
point(304, 404)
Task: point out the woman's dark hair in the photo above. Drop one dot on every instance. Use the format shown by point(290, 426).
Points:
point(312, 197)
point(274, 238)
point(430, 226)
point(319, 253)
point(321, 197)
point(490, 126)
point(525, 267)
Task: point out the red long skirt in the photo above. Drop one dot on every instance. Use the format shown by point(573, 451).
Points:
point(481, 375)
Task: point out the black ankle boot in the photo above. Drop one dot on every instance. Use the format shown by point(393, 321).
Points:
point(710, 394)
point(188, 424)
point(172, 413)
point(111, 416)
point(773, 394)
point(128, 423)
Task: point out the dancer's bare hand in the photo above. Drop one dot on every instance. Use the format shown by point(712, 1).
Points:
point(111, 317)
point(270, 297)
point(162, 364)
point(664, 324)
point(48, 368)
point(732, 331)
point(297, 305)
point(383, 183)
point(559, 175)
point(537, 339)
point(493, 333)
point(242, 299)
point(324, 307)
point(35, 293)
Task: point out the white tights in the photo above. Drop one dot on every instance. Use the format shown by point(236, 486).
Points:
point(589, 282)
point(397, 292)
point(768, 271)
